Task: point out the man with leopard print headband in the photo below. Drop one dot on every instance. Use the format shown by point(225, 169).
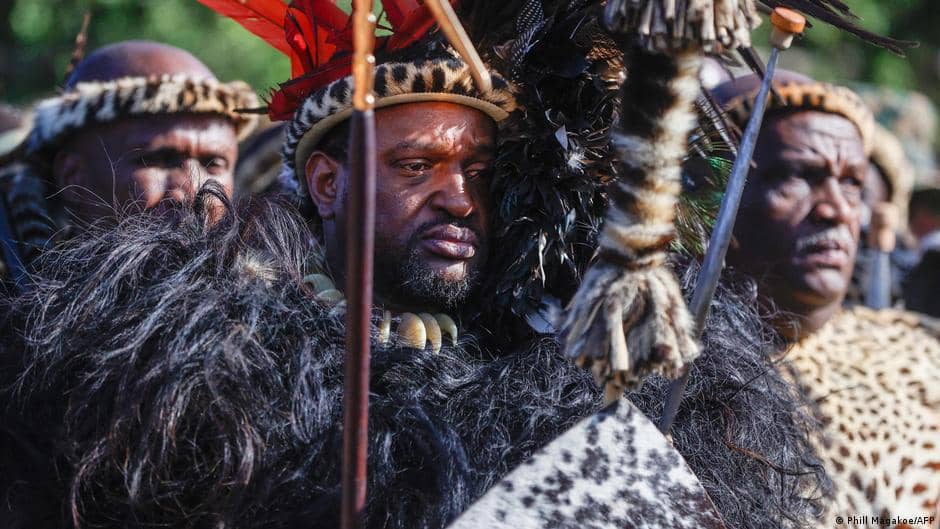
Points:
point(870, 375)
point(138, 125)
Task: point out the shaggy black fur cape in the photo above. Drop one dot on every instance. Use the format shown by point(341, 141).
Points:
point(176, 372)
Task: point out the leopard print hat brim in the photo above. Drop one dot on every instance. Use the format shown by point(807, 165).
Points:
point(809, 95)
point(105, 101)
point(440, 79)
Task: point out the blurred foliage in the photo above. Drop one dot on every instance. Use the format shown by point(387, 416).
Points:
point(37, 38)
point(828, 54)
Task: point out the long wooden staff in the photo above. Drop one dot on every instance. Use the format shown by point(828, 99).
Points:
point(786, 24)
point(360, 233)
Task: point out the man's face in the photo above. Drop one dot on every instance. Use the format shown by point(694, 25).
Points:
point(798, 227)
point(432, 204)
point(145, 162)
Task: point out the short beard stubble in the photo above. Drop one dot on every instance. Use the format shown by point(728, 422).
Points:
point(411, 281)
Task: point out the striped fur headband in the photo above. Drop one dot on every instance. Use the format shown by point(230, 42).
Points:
point(104, 101)
point(445, 79)
point(810, 96)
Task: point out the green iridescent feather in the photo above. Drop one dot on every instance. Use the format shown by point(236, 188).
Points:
point(699, 204)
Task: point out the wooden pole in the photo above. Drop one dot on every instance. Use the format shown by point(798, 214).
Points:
point(360, 233)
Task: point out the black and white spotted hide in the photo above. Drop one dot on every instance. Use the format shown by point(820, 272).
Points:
point(628, 317)
point(612, 470)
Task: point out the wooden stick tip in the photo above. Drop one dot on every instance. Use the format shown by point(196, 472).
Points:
point(788, 20)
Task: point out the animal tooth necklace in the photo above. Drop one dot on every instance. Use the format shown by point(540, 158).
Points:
point(415, 330)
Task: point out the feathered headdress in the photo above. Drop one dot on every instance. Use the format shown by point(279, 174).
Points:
point(316, 35)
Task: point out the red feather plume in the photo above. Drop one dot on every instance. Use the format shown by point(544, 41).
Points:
point(317, 36)
point(264, 18)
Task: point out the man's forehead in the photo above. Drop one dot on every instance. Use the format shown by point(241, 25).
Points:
point(814, 124)
point(812, 130)
point(437, 122)
point(141, 131)
point(444, 136)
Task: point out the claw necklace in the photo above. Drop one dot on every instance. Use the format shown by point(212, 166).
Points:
point(418, 331)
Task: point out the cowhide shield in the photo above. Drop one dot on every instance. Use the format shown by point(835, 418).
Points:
point(612, 470)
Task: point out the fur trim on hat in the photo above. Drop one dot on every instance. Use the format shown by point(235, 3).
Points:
point(105, 101)
point(438, 79)
point(810, 96)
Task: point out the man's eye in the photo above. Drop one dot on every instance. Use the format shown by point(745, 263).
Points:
point(414, 166)
point(778, 174)
point(217, 165)
point(853, 182)
point(478, 172)
point(149, 160)
point(852, 189)
point(160, 159)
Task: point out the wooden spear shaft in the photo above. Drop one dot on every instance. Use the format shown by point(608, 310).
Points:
point(360, 234)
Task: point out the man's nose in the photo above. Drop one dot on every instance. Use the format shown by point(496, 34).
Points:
point(185, 180)
point(831, 204)
point(452, 194)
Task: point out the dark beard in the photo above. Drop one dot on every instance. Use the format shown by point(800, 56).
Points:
point(418, 285)
point(413, 283)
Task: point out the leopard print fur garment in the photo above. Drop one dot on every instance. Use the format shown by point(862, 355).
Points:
point(874, 377)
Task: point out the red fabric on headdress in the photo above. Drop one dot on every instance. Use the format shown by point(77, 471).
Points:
point(317, 37)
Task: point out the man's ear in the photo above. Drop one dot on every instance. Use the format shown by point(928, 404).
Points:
point(322, 173)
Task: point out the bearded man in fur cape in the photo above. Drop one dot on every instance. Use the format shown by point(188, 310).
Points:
point(177, 371)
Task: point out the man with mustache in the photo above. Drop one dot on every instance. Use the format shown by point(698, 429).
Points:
point(432, 202)
point(870, 375)
point(799, 216)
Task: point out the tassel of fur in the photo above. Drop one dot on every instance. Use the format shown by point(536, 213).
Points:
point(628, 318)
point(665, 25)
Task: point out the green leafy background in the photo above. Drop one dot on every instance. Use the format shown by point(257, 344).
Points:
point(36, 40)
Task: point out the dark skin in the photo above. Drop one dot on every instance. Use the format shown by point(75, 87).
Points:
point(142, 162)
point(145, 163)
point(798, 228)
point(432, 194)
